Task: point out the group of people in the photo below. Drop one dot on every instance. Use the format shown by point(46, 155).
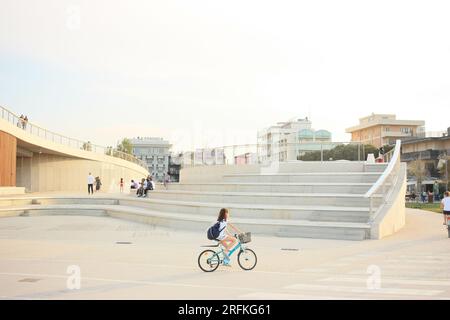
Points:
point(142, 188)
point(429, 195)
point(23, 121)
point(91, 181)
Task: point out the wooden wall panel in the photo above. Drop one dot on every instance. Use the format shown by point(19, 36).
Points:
point(8, 150)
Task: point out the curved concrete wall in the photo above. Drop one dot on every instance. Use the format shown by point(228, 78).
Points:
point(62, 168)
point(45, 172)
point(391, 218)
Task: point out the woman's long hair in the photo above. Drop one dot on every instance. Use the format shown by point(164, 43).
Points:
point(222, 214)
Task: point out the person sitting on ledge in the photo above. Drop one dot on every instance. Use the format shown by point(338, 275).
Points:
point(150, 186)
point(140, 191)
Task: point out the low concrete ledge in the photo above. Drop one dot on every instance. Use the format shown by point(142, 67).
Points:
point(6, 191)
point(145, 202)
point(273, 227)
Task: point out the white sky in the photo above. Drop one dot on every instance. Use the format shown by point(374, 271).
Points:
point(211, 73)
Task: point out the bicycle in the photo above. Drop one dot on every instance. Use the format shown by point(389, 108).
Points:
point(209, 260)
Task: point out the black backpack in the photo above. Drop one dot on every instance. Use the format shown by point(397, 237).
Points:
point(214, 231)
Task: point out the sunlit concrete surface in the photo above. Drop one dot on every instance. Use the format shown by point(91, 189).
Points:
point(156, 263)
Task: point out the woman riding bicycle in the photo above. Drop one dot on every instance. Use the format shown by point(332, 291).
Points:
point(225, 237)
point(209, 260)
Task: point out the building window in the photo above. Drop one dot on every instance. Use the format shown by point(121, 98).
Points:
point(405, 130)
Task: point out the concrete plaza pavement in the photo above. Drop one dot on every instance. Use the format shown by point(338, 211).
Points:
point(118, 259)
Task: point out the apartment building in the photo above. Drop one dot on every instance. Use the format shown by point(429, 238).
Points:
point(286, 141)
point(384, 129)
point(155, 152)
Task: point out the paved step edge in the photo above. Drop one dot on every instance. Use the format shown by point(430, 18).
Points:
point(210, 204)
point(189, 217)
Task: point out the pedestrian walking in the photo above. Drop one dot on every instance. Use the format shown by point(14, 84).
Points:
point(90, 181)
point(166, 179)
point(430, 197)
point(121, 185)
point(20, 121)
point(436, 191)
point(424, 196)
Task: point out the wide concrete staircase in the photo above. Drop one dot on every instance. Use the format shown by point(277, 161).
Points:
point(320, 200)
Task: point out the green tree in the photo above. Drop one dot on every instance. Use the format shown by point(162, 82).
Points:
point(125, 146)
point(416, 168)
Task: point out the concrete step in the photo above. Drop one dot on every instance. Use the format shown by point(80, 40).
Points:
point(37, 200)
point(330, 199)
point(68, 209)
point(317, 166)
point(375, 167)
point(313, 212)
point(274, 227)
point(276, 187)
point(331, 177)
point(254, 211)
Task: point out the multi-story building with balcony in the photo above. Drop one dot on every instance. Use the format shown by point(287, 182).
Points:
point(155, 152)
point(288, 140)
point(427, 159)
point(384, 129)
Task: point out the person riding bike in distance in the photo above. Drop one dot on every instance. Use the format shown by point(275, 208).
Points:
point(227, 240)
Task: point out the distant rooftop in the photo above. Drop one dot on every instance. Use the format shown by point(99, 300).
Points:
point(149, 141)
point(429, 136)
point(287, 124)
point(383, 119)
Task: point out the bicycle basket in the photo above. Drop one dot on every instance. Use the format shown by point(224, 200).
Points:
point(245, 237)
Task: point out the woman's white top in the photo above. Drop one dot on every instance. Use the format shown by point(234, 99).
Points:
point(223, 226)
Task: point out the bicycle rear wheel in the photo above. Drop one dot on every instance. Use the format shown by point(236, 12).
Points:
point(208, 260)
point(247, 259)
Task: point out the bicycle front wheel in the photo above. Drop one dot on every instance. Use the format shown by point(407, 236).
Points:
point(247, 259)
point(208, 260)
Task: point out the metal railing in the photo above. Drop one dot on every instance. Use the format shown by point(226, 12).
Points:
point(388, 155)
point(385, 184)
point(43, 133)
point(264, 153)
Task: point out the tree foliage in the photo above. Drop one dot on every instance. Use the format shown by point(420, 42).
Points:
point(125, 146)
